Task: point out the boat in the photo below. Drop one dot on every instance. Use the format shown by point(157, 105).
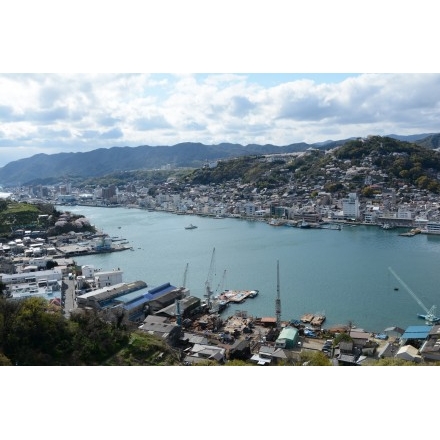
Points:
point(253, 293)
point(275, 222)
point(216, 306)
point(429, 316)
point(332, 226)
point(411, 233)
point(430, 319)
point(304, 225)
point(191, 226)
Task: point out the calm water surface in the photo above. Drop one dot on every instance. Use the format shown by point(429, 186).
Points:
point(341, 273)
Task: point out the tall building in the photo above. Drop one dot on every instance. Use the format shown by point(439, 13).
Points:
point(109, 192)
point(351, 207)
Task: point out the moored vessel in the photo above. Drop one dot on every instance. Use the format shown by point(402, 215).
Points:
point(191, 226)
point(318, 319)
point(307, 318)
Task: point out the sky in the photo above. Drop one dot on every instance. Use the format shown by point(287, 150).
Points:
point(160, 75)
point(55, 113)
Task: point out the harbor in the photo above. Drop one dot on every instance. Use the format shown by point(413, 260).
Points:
point(344, 274)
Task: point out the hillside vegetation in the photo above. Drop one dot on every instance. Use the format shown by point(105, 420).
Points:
point(39, 216)
point(395, 162)
point(102, 161)
point(15, 215)
point(33, 332)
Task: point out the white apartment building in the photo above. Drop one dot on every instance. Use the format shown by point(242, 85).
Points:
point(110, 278)
point(372, 214)
point(351, 206)
point(405, 213)
point(249, 209)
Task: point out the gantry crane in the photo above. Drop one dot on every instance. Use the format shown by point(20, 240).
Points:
point(429, 315)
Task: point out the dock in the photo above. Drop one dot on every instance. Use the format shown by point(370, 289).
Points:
point(237, 296)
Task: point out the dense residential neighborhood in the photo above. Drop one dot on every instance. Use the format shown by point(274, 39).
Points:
point(342, 184)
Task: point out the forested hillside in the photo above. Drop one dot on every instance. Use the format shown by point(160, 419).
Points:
point(393, 162)
point(33, 332)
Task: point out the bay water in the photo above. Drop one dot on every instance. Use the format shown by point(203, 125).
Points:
point(344, 274)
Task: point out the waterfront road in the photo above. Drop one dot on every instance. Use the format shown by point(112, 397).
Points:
point(68, 296)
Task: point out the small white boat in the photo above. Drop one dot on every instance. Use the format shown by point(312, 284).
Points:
point(304, 225)
point(191, 226)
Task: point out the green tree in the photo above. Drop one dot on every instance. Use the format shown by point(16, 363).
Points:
point(37, 335)
point(314, 359)
point(4, 361)
point(95, 340)
point(367, 191)
point(51, 264)
point(342, 337)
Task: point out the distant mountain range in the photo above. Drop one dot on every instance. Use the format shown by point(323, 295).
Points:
point(105, 161)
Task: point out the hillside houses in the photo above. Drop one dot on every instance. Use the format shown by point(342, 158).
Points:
point(339, 188)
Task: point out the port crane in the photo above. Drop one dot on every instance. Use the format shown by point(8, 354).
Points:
point(221, 284)
point(429, 315)
point(185, 274)
point(208, 282)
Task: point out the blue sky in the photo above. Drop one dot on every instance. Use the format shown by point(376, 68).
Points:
point(70, 111)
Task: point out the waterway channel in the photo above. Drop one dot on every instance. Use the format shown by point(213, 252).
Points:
point(343, 274)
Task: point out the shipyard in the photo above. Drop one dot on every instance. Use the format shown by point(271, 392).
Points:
point(194, 326)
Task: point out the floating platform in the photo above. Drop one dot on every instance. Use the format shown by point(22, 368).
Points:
point(237, 296)
point(307, 318)
point(314, 319)
point(317, 320)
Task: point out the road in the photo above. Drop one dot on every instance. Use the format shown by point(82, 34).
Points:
point(68, 295)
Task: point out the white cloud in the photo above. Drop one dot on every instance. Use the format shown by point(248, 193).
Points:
point(80, 112)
